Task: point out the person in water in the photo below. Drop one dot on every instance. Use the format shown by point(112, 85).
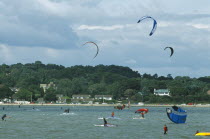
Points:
point(67, 110)
point(3, 117)
point(142, 114)
point(112, 114)
point(165, 128)
point(196, 132)
point(105, 122)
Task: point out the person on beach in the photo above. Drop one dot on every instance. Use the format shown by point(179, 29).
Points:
point(165, 128)
point(112, 114)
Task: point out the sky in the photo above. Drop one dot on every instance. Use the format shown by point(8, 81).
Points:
point(54, 31)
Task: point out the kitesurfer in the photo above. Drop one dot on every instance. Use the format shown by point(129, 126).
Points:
point(165, 128)
point(142, 114)
point(112, 114)
point(67, 110)
point(196, 132)
point(105, 122)
point(4, 116)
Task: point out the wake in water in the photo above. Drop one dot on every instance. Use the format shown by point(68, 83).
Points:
point(68, 113)
point(114, 118)
point(34, 110)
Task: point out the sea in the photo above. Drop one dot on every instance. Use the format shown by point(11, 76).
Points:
point(51, 122)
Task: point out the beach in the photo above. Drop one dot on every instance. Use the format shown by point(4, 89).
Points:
point(111, 105)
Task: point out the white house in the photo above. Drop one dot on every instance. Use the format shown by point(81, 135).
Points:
point(162, 92)
point(14, 89)
point(47, 86)
point(104, 97)
point(81, 97)
point(22, 102)
point(60, 98)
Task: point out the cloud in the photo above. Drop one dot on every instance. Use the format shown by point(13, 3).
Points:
point(54, 30)
point(130, 61)
point(114, 27)
point(200, 26)
point(23, 24)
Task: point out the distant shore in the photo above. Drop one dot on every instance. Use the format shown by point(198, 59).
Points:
point(111, 105)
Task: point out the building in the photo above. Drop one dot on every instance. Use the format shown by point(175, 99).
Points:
point(60, 98)
point(81, 98)
point(47, 86)
point(104, 97)
point(40, 100)
point(162, 92)
point(208, 92)
point(14, 89)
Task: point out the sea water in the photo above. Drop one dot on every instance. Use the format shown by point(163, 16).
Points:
point(50, 122)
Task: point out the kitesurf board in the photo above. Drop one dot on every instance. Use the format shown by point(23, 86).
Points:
point(138, 118)
point(113, 118)
point(203, 134)
point(109, 118)
point(108, 125)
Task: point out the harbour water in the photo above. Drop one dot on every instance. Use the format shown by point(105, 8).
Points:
point(50, 122)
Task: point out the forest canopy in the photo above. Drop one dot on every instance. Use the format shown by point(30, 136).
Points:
point(120, 82)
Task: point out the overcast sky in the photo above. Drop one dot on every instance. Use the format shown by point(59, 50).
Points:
point(54, 31)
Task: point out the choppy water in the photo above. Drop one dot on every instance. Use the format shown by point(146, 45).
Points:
point(50, 122)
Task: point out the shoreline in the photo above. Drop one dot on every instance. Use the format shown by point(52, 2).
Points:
point(110, 105)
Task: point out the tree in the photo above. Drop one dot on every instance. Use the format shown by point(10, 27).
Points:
point(50, 95)
point(24, 94)
point(97, 89)
point(5, 92)
point(129, 93)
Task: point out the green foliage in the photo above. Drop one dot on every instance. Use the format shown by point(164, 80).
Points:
point(5, 92)
point(50, 95)
point(24, 94)
point(121, 82)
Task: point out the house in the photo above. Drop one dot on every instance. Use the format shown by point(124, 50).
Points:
point(81, 98)
point(21, 102)
point(208, 92)
point(47, 86)
point(162, 92)
point(40, 100)
point(14, 89)
point(104, 97)
point(60, 98)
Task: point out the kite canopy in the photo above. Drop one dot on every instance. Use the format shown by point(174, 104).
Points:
point(141, 110)
point(177, 115)
point(154, 23)
point(172, 50)
point(96, 47)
